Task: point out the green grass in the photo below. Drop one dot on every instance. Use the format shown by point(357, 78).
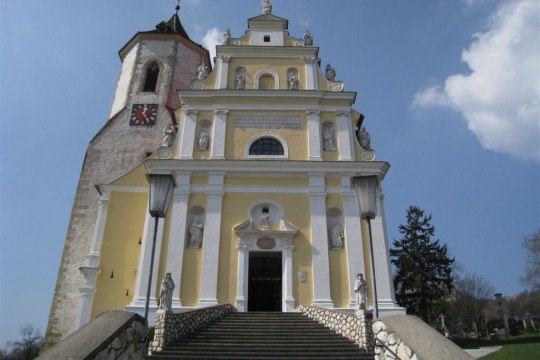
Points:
point(523, 347)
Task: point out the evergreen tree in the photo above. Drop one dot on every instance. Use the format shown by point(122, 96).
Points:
point(423, 269)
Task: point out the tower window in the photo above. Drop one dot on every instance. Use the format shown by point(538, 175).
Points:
point(267, 38)
point(151, 78)
point(266, 146)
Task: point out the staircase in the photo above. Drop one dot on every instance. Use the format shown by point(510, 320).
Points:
point(263, 335)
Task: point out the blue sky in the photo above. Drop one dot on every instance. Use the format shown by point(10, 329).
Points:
point(450, 90)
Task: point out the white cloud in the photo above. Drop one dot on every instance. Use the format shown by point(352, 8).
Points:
point(500, 98)
point(213, 37)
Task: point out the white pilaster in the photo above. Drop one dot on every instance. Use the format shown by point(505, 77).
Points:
point(141, 282)
point(212, 234)
point(177, 232)
point(187, 134)
point(242, 276)
point(219, 129)
point(385, 286)
point(91, 271)
point(223, 71)
point(287, 285)
point(312, 82)
point(314, 134)
point(344, 135)
point(319, 239)
point(353, 236)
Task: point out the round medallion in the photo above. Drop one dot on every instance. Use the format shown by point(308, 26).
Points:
point(266, 243)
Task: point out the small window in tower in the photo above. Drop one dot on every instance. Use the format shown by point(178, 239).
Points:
point(266, 38)
point(266, 146)
point(151, 79)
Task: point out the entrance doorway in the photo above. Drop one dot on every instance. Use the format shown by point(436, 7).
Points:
point(264, 285)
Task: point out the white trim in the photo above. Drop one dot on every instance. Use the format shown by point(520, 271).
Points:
point(219, 128)
point(267, 135)
point(262, 168)
point(319, 241)
point(266, 72)
point(344, 129)
point(265, 189)
point(211, 240)
point(222, 71)
point(261, 93)
point(314, 134)
point(187, 134)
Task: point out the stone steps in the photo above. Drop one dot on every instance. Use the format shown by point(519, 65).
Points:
point(263, 335)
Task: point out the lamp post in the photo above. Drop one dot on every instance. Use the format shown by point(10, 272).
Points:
point(365, 189)
point(498, 299)
point(159, 197)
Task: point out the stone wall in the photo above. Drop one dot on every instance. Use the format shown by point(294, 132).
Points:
point(171, 327)
point(406, 337)
point(355, 327)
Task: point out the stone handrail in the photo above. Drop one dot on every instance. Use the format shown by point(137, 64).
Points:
point(406, 337)
point(111, 335)
point(170, 327)
point(355, 327)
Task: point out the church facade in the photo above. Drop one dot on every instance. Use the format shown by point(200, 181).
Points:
point(263, 148)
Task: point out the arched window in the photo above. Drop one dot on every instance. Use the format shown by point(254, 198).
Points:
point(267, 82)
point(266, 146)
point(151, 78)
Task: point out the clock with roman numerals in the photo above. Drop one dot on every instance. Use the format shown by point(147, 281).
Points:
point(143, 114)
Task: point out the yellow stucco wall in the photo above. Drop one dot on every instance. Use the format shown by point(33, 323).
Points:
point(237, 139)
point(234, 212)
point(278, 66)
point(120, 251)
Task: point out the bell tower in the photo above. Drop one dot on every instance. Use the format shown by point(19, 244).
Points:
point(155, 64)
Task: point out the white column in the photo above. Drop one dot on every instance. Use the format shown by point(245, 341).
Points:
point(344, 135)
point(177, 232)
point(242, 276)
point(312, 80)
point(212, 234)
point(223, 71)
point(314, 134)
point(353, 236)
point(219, 130)
point(187, 134)
point(319, 239)
point(141, 283)
point(287, 271)
point(91, 271)
point(385, 286)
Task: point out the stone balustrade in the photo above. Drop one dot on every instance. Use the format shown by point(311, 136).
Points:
point(170, 327)
point(355, 327)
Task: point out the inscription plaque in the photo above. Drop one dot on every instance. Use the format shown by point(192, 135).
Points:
point(263, 121)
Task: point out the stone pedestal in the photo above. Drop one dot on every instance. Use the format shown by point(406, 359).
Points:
point(365, 318)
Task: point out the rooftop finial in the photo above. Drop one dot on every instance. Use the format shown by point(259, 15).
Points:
point(177, 6)
point(267, 7)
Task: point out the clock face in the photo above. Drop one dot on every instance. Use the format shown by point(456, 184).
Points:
point(143, 114)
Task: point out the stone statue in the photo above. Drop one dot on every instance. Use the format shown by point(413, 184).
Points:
point(227, 37)
point(165, 295)
point(293, 81)
point(364, 138)
point(336, 235)
point(267, 7)
point(169, 134)
point(204, 140)
point(265, 221)
point(202, 71)
point(308, 38)
point(240, 79)
point(361, 289)
point(329, 139)
point(196, 234)
point(330, 73)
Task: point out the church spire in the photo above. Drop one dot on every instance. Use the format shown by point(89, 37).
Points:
point(173, 25)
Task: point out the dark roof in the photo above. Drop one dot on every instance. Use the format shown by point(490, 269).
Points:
point(172, 26)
